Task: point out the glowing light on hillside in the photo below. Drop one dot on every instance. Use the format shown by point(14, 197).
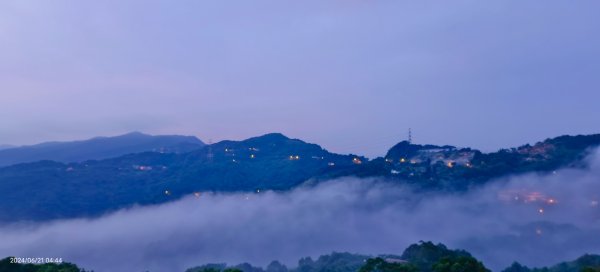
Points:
point(356, 161)
point(541, 211)
point(402, 160)
point(534, 197)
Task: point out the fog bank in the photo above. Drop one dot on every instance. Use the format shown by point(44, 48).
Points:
point(534, 219)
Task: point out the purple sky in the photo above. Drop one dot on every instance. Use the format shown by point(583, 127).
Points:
point(350, 75)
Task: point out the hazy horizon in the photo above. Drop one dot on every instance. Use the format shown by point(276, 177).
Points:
point(352, 76)
point(6, 146)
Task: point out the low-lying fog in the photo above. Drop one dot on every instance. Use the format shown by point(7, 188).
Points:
point(534, 219)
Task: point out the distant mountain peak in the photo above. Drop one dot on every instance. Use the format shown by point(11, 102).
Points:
point(135, 133)
point(269, 137)
point(406, 149)
point(99, 148)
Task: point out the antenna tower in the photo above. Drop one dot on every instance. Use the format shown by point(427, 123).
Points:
point(210, 154)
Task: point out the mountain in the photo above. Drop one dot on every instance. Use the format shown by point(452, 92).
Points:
point(98, 148)
point(453, 168)
point(49, 190)
point(46, 190)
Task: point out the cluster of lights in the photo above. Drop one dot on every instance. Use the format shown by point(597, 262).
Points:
point(527, 197)
point(142, 167)
point(542, 201)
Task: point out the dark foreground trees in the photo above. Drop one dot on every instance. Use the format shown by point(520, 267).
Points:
point(426, 257)
point(381, 265)
point(421, 257)
point(459, 264)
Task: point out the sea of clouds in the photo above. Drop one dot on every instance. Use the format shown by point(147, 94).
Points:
point(536, 219)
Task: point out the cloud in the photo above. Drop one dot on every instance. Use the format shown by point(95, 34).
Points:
point(534, 219)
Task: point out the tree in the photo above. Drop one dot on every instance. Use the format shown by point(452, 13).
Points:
point(380, 265)
point(517, 267)
point(276, 266)
point(459, 264)
point(425, 254)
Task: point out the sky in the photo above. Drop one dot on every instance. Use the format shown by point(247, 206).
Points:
point(350, 75)
point(498, 223)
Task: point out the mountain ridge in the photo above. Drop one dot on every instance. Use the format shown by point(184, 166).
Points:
point(47, 190)
point(98, 148)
